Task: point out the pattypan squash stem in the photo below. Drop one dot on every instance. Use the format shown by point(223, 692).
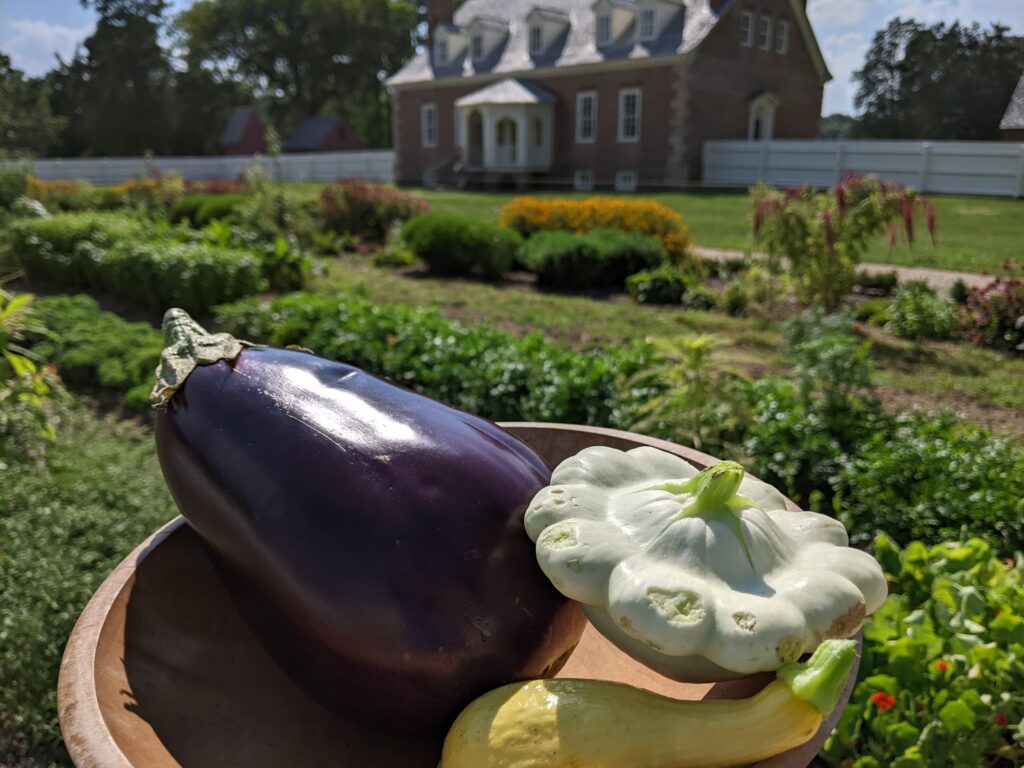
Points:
point(820, 680)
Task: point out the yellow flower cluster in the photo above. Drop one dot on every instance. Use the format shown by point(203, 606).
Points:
point(533, 214)
point(41, 190)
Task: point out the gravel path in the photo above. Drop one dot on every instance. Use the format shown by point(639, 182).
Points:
point(939, 279)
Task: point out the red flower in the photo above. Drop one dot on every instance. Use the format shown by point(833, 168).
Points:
point(1000, 719)
point(883, 700)
point(942, 666)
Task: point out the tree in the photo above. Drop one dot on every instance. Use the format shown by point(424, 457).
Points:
point(26, 123)
point(938, 82)
point(837, 126)
point(306, 57)
point(117, 92)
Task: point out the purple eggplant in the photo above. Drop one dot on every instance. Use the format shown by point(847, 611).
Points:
point(371, 536)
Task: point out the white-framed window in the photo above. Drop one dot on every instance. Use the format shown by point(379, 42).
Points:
point(625, 181)
point(761, 125)
point(604, 29)
point(586, 117)
point(747, 29)
point(647, 24)
point(442, 51)
point(764, 33)
point(536, 38)
point(782, 37)
point(630, 110)
point(476, 46)
point(428, 125)
point(583, 180)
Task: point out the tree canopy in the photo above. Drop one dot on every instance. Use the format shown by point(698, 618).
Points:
point(938, 82)
point(27, 124)
point(303, 58)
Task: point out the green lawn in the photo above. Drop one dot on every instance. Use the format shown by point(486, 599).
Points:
point(986, 385)
point(975, 234)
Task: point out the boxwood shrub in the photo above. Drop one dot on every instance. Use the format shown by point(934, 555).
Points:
point(110, 253)
point(452, 244)
point(602, 258)
point(664, 285)
point(200, 210)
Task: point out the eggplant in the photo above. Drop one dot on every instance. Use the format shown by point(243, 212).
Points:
point(371, 536)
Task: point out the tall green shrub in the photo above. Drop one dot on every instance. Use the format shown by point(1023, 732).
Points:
point(452, 244)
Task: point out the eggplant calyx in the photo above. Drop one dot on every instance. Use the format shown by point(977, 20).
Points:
point(187, 345)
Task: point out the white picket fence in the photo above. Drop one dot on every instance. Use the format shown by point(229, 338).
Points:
point(372, 165)
point(943, 167)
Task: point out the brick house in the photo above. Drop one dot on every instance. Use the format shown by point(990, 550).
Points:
point(600, 93)
point(1011, 127)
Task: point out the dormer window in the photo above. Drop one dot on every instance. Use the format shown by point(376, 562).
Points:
point(647, 24)
point(442, 52)
point(604, 29)
point(477, 47)
point(536, 39)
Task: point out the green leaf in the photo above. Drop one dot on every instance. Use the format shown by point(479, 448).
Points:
point(901, 736)
point(956, 717)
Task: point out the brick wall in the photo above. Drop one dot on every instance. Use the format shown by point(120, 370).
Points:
point(724, 76)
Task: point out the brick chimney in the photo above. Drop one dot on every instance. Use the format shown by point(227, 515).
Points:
point(438, 12)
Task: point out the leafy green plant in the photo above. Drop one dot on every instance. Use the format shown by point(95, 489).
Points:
point(917, 313)
point(751, 291)
point(941, 679)
point(479, 369)
point(820, 237)
point(664, 285)
point(703, 403)
point(273, 210)
point(928, 477)
point(26, 390)
point(13, 181)
point(872, 311)
point(451, 244)
point(97, 350)
point(64, 525)
point(200, 210)
point(395, 254)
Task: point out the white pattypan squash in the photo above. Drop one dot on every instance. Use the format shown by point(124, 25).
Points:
point(702, 576)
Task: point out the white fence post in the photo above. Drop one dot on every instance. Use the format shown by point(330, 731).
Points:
point(926, 151)
point(1019, 192)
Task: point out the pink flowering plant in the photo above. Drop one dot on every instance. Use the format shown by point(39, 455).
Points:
point(994, 313)
point(367, 210)
point(820, 237)
point(941, 681)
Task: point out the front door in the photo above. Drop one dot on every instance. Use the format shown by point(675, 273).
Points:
point(507, 140)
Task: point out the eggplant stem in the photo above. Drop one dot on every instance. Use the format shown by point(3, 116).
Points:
point(188, 345)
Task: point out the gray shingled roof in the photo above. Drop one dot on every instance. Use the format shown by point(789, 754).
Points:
point(236, 126)
point(689, 27)
point(1014, 116)
point(507, 91)
point(310, 134)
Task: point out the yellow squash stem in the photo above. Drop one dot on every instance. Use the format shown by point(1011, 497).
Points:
point(596, 724)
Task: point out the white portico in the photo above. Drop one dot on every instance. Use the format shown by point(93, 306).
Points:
point(506, 126)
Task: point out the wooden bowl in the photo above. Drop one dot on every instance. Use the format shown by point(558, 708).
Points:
point(161, 670)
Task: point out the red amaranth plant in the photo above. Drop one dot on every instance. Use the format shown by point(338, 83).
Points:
point(367, 210)
point(994, 313)
point(821, 236)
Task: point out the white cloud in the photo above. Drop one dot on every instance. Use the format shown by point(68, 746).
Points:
point(844, 54)
point(33, 43)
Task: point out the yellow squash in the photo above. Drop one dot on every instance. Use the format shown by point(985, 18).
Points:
point(596, 724)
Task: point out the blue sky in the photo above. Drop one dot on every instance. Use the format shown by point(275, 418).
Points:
point(32, 30)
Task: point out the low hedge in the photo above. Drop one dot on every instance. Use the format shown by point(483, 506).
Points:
point(97, 349)
point(603, 258)
point(452, 244)
point(479, 369)
point(108, 252)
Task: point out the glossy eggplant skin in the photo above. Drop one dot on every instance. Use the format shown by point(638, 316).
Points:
point(371, 536)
